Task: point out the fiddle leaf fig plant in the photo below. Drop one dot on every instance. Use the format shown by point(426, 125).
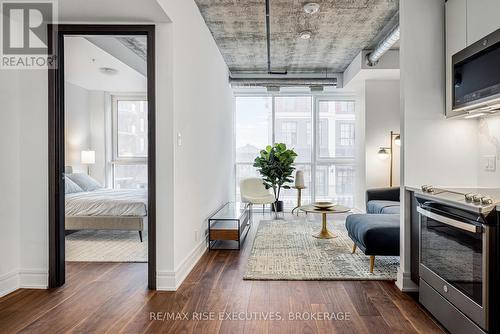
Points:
point(275, 164)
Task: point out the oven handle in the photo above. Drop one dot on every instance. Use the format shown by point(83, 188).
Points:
point(452, 222)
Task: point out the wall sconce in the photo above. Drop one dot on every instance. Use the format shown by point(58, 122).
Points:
point(388, 152)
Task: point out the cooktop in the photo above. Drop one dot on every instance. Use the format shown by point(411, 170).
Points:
point(482, 200)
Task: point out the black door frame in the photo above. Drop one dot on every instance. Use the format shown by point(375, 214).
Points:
point(56, 35)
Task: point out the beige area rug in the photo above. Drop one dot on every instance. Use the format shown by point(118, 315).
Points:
point(285, 250)
point(106, 246)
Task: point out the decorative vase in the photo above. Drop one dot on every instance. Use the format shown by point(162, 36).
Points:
point(277, 206)
point(299, 180)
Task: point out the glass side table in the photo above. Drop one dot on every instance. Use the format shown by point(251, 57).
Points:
point(231, 222)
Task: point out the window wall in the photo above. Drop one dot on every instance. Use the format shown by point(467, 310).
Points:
point(319, 128)
point(130, 142)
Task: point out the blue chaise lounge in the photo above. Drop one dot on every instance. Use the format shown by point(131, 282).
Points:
point(376, 233)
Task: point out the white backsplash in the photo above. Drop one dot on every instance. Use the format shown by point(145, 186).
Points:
point(489, 145)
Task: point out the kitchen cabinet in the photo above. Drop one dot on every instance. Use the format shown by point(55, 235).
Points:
point(456, 39)
point(483, 18)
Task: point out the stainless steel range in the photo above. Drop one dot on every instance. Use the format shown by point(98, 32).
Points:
point(459, 257)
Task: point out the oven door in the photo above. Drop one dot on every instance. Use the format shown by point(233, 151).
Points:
point(453, 255)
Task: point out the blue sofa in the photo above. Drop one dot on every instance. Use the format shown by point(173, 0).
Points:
point(376, 233)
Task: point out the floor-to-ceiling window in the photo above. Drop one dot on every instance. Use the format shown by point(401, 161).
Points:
point(335, 152)
point(130, 139)
point(292, 117)
point(319, 128)
point(253, 130)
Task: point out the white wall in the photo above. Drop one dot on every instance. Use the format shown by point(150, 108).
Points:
point(193, 96)
point(436, 150)
point(97, 140)
point(382, 101)
point(360, 156)
point(203, 115)
point(9, 181)
point(85, 128)
point(33, 185)
point(76, 125)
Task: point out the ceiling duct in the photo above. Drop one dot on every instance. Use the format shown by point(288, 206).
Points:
point(385, 45)
point(282, 82)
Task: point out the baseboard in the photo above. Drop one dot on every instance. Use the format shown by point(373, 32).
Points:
point(404, 282)
point(33, 279)
point(9, 283)
point(172, 280)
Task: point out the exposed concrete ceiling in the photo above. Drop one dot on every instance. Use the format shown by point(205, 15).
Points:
point(340, 30)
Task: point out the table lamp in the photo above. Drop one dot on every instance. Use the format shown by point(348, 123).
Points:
point(88, 158)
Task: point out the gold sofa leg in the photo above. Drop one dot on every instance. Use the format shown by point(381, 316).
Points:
point(354, 248)
point(372, 263)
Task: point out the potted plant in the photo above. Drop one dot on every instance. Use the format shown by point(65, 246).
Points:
point(275, 164)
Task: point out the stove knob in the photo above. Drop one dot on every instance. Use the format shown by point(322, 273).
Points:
point(477, 198)
point(486, 200)
point(427, 188)
point(469, 197)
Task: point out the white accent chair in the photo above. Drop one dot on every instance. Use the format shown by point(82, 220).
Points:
point(253, 191)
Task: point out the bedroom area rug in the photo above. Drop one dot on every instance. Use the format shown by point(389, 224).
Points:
point(286, 250)
point(106, 246)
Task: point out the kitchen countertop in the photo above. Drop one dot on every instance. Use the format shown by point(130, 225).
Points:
point(492, 192)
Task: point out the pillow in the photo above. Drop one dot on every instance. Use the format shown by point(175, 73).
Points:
point(84, 181)
point(71, 187)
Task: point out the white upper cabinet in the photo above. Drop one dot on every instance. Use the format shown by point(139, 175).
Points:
point(483, 18)
point(456, 38)
point(456, 26)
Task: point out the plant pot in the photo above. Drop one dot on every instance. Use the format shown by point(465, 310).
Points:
point(277, 206)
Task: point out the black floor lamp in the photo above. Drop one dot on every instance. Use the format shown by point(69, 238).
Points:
point(388, 152)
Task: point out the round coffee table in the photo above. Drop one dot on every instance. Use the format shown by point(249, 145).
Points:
point(325, 233)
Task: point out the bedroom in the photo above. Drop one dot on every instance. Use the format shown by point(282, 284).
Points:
point(106, 148)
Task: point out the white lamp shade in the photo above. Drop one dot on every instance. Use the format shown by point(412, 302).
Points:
point(299, 179)
point(88, 157)
point(397, 140)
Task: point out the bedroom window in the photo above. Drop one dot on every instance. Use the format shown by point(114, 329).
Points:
point(130, 137)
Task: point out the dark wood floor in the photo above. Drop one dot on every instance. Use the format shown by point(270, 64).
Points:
point(113, 297)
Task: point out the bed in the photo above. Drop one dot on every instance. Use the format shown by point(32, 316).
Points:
point(88, 206)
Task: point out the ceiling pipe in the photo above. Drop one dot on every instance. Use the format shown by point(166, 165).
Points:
point(268, 34)
point(385, 45)
point(282, 82)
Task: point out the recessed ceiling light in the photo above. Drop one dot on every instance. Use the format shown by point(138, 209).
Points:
point(311, 8)
point(108, 70)
point(306, 34)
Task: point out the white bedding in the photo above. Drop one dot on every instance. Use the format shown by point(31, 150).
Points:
point(107, 202)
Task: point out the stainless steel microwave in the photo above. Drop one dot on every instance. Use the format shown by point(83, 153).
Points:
point(476, 77)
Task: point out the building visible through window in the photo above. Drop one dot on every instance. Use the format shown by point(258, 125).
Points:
point(328, 167)
point(130, 138)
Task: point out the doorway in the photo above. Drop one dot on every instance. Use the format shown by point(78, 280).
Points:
point(116, 166)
